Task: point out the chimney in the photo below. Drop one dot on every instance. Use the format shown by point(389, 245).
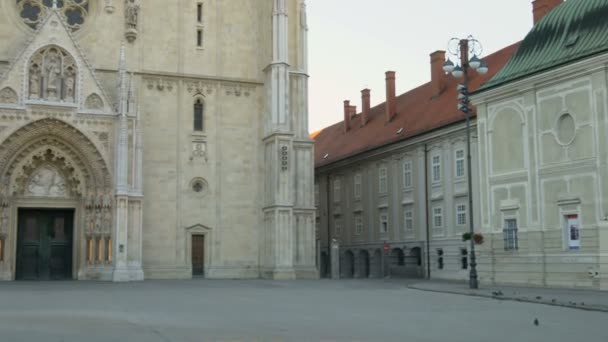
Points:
point(438, 78)
point(391, 99)
point(366, 106)
point(540, 8)
point(347, 111)
point(353, 111)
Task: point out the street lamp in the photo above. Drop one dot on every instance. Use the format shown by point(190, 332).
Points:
point(460, 49)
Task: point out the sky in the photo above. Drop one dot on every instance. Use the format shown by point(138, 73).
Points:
point(352, 43)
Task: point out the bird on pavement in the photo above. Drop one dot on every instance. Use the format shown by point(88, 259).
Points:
point(536, 321)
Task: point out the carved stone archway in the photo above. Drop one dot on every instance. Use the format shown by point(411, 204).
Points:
point(48, 161)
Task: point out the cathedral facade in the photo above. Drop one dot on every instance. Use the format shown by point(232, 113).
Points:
point(155, 139)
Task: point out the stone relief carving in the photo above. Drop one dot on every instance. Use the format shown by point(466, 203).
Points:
point(110, 6)
point(52, 75)
point(8, 96)
point(98, 212)
point(47, 182)
point(94, 101)
point(131, 19)
point(199, 87)
point(199, 150)
point(4, 210)
point(160, 84)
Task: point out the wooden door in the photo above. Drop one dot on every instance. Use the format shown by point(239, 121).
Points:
point(44, 250)
point(198, 255)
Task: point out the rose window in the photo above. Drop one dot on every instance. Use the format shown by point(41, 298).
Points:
point(32, 12)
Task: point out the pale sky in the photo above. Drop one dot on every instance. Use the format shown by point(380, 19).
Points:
point(353, 42)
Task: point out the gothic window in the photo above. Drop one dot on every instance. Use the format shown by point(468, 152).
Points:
point(74, 12)
point(52, 75)
point(198, 115)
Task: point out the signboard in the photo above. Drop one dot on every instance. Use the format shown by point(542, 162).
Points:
point(386, 248)
point(573, 232)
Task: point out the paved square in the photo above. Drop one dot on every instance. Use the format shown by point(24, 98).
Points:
point(204, 310)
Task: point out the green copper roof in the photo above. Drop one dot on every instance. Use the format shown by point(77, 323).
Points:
point(574, 30)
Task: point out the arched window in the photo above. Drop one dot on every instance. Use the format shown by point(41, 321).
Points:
point(198, 115)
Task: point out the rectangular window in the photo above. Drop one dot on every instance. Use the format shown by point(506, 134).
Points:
point(337, 227)
point(461, 214)
point(198, 116)
point(436, 168)
point(510, 234)
point(337, 190)
point(357, 186)
point(358, 224)
point(437, 217)
point(440, 258)
point(464, 260)
point(383, 223)
point(199, 37)
point(459, 163)
point(407, 174)
point(382, 180)
point(199, 12)
point(409, 222)
point(573, 236)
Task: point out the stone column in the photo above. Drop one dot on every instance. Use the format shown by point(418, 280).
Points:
point(335, 259)
point(603, 255)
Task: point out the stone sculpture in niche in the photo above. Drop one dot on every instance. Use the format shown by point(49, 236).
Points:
point(131, 19)
point(52, 75)
point(46, 182)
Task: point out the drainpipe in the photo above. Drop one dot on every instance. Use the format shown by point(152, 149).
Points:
point(426, 204)
point(327, 208)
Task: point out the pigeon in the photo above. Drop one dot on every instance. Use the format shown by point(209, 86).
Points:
point(536, 321)
point(539, 297)
point(552, 300)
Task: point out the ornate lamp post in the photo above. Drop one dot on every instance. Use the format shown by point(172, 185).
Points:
point(460, 49)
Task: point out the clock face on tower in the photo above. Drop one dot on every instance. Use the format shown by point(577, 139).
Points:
point(73, 11)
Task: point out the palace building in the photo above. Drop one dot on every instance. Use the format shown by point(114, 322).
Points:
point(155, 139)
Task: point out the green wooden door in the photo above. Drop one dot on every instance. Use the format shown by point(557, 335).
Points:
point(44, 250)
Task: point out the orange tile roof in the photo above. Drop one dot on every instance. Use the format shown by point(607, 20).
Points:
point(418, 112)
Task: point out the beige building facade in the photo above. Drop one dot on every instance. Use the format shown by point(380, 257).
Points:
point(155, 139)
point(542, 153)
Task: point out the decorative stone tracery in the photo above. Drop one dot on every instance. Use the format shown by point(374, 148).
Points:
point(52, 75)
point(8, 96)
point(74, 12)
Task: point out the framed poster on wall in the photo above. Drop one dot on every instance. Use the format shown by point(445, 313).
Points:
point(573, 232)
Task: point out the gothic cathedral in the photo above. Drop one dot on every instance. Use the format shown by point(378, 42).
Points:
point(155, 140)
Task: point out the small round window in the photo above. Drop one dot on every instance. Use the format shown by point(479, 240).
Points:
point(199, 186)
point(74, 12)
point(566, 129)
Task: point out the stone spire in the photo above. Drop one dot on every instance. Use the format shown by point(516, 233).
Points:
point(122, 134)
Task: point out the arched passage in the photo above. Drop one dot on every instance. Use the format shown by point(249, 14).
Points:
point(52, 165)
point(364, 264)
point(348, 265)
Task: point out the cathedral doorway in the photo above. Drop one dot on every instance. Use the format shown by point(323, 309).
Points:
point(198, 255)
point(44, 244)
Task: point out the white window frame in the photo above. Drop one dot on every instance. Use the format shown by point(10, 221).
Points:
point(437, 213)
point(357, 186)
point(408, 221)
point(358, 224)
point(510, 234)
point(337, 227)
point(383, 180)
point(569, 243)
point(461, 213)
point(436, 168)
point(461, 161)
point(337, 189)
point(384, 228)
point(407, 174)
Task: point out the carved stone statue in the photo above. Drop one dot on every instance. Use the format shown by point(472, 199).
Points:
point(69, 85)
point(107, 200)
point(132, 14)
point(53, 73)
point(4, 219)
point(35, 81)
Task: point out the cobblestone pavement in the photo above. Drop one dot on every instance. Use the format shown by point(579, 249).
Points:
point(578, 299)
point(204, 310)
